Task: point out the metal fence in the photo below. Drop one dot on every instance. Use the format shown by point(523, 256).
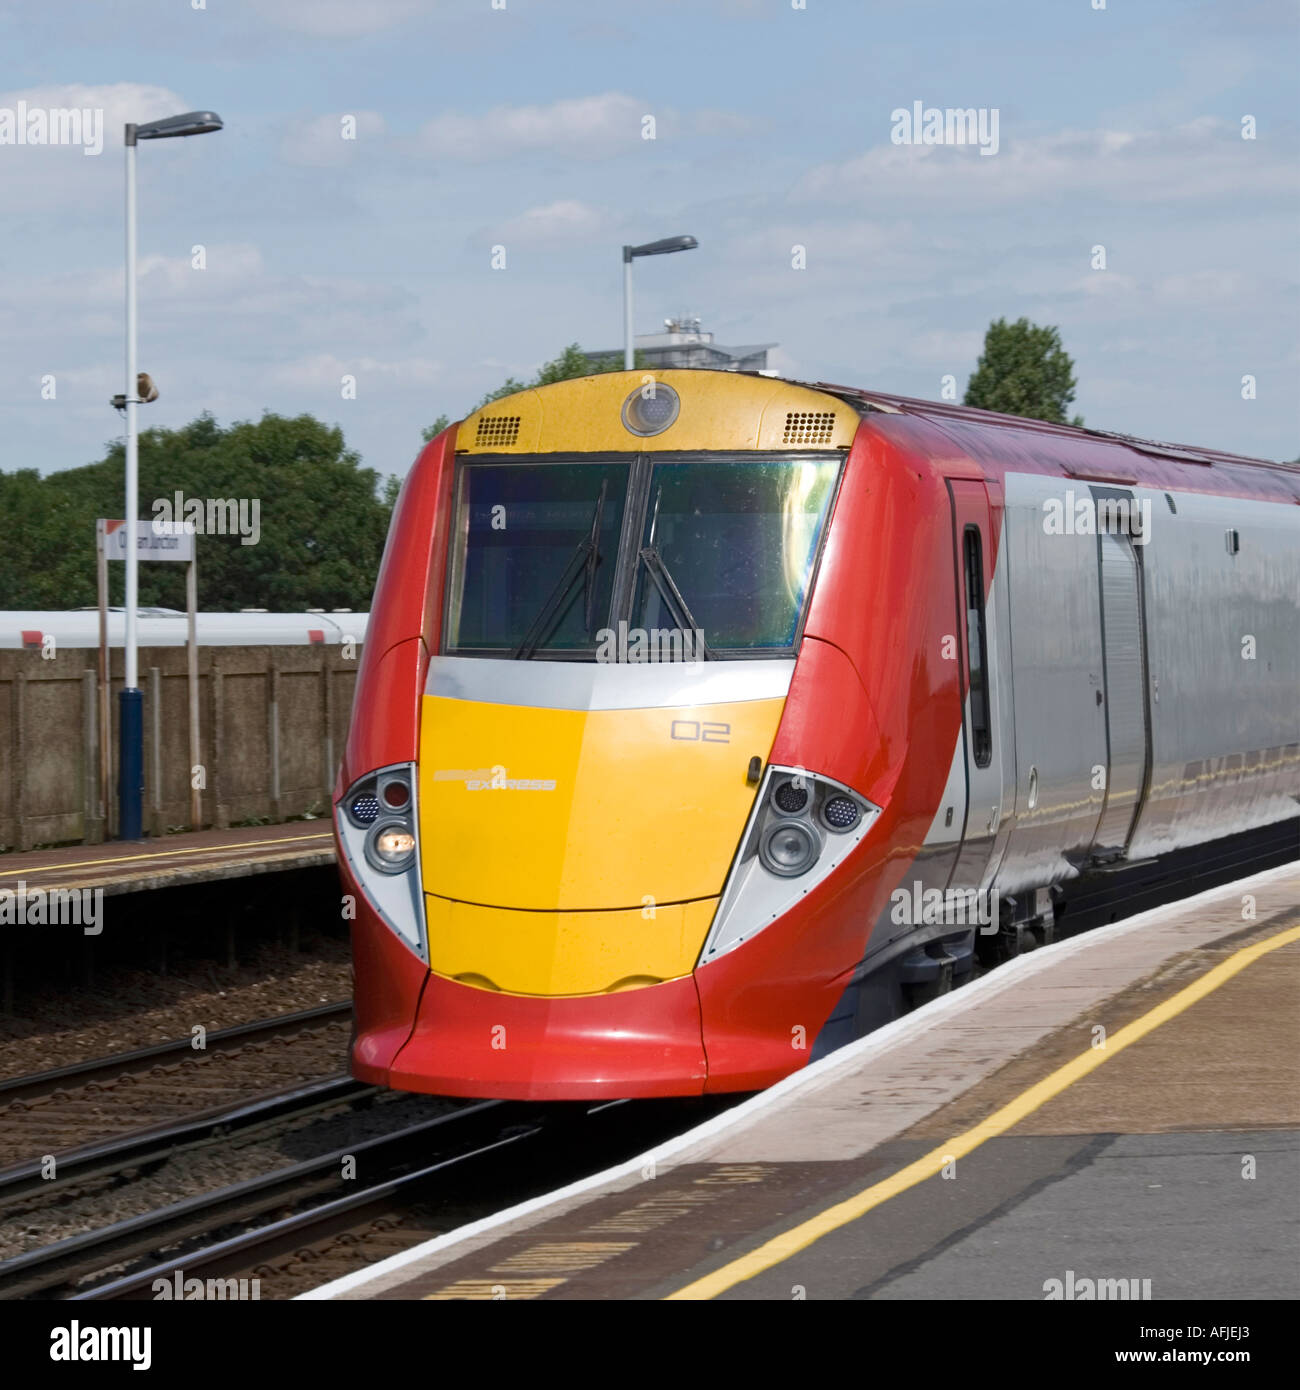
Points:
point(273, 721)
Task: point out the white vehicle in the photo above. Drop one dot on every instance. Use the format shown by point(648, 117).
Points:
point(165, 627)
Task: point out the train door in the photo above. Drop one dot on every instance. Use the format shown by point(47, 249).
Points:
point(1123, 639)
point(973, 564)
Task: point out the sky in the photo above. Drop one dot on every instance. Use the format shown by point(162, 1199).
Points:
point(279, 258)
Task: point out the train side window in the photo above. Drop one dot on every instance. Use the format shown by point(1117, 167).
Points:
point(977, 650)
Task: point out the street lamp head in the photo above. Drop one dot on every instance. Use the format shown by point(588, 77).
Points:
point(630, 253)
point(661, 248)
point(191, 123)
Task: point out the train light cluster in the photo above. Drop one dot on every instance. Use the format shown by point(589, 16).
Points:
point(377, 830)
point(373, 805)
point(790, 845)
point(802, 827)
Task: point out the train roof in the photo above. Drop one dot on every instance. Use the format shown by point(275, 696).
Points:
point(1074, 451)
point(944, 410)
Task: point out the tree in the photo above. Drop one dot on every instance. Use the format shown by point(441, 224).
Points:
point(322, 523)
point(572, 362)
point(1023, 370)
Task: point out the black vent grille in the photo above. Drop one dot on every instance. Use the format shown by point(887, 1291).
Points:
point(809, 427)
point(497, 430)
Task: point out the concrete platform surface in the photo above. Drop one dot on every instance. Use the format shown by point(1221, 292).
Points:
point(124, 866)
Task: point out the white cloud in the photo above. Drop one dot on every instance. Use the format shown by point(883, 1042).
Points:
point(575, 126)
point(1207, 287)
point(581, 127)
point(711, 121)
point(324, 371)
point(1204, 158)
point(1106, 284)
point(50, 178)
point(559, 223)
point(954, 348)
point(120, 102)
point(238, 312)
point(826, 243)
point(325, 142)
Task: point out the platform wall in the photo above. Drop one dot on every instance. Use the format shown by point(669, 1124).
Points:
point(272, 722)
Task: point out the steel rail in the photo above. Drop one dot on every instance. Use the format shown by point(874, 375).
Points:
point(43, 1082)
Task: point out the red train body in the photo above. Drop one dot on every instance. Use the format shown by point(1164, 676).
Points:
point(984, 792)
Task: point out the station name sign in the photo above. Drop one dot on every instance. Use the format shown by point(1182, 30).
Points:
point(154, 540)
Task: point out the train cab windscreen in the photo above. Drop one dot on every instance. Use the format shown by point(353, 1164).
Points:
point(719, 546)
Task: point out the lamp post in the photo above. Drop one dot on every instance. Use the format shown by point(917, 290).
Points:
point(630, 253)
point(130, 787)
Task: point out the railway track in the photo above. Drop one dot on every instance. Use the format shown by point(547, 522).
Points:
point(72, 1106)
point(533, 1150)
point(297, 1224)
point(230, 1212)
point(142, 1149)
point(98, 1070)
point(372, 1203)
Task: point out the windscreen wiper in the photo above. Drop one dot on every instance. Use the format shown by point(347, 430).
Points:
point(593, 559)
point(672, 596)
point(585, 558)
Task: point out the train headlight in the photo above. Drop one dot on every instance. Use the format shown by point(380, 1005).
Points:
point(790, 795)
point(390, 846)
point(840, 813)
point(789, 848)
point(650, 409)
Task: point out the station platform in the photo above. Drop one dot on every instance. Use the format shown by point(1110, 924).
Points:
point(131, 866)
point(1114, 1117)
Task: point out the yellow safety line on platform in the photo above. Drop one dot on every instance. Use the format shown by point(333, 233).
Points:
point(165, 854)
point(790, 1242)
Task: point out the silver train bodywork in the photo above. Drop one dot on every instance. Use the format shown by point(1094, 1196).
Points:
point(1145, 690)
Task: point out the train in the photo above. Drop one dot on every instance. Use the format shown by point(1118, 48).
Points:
point(706, 719)
point(166, 627)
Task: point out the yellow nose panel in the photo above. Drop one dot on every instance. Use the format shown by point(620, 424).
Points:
point(556, 953)
point(575, 810)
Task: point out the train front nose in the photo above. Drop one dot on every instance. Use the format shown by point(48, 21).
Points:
point(580, 851)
